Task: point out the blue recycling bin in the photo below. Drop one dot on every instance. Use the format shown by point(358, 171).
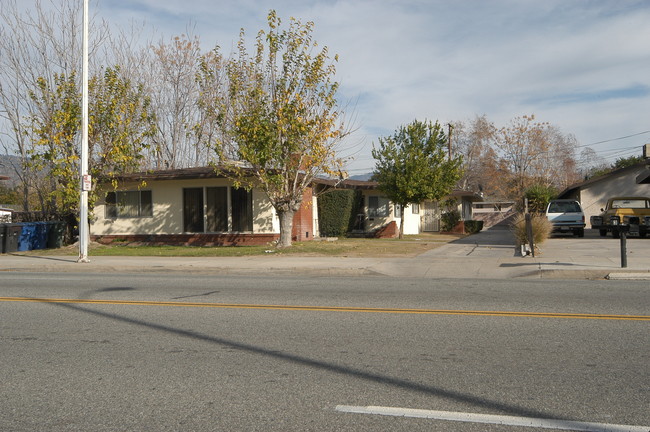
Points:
point(39, 240)
point(26, 239)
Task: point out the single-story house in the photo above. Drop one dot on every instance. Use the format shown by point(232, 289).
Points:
point(594, 193)
point(198, 206)
point(195, 206)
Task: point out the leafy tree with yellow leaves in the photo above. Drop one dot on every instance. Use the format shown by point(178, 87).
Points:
point(278, 115)
point(120, 126)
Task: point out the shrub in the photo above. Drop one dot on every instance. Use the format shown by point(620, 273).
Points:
point(539, 196)
point(449, 219)
point(473, 226)
point(337, 210)
point(541, 229)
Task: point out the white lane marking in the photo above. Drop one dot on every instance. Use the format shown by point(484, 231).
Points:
point(492, 419)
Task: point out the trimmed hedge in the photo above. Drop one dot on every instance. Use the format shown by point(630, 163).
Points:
point(473, 226)
point(449, 220)
point(337, 212)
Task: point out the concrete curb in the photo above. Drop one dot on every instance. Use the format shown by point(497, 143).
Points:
point(629, 276)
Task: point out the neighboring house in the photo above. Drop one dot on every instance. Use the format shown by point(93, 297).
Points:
point(418, 217)
point(594, 193)
point(493, 212)
point(5, 215)
point(193, 206)
point(379, 212)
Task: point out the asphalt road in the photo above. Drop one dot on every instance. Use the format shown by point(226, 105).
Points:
point(184, 353)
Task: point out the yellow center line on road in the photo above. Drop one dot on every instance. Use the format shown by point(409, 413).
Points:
point(334, 309)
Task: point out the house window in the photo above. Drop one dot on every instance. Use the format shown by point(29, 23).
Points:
point(377, 206)
point(128, 204)
point(398, 211)
point(415, 208)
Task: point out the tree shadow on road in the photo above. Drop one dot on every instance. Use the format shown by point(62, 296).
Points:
point(395, 382)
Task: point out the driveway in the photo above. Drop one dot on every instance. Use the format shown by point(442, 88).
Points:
point(492, 254)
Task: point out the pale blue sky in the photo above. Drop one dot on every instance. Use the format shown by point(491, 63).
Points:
point(583, 66)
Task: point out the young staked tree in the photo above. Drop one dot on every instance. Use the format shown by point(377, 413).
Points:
point(412, 165)
point(279, 115)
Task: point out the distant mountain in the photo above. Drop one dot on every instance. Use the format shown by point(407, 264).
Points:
point(362, 177)
point(8, 166)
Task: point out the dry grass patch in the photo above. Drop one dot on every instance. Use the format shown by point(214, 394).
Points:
point(410, 246)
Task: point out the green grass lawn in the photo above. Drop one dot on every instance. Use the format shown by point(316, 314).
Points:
point(347, 247)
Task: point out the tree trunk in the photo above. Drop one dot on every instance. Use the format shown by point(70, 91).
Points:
point(286, 225)
point(401, 225)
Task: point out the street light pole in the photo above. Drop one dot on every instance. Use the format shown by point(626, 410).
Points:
point(85, 182)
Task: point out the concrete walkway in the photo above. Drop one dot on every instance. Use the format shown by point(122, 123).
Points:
point(489, 254)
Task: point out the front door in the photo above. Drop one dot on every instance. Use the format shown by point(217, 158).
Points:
point(431, 220)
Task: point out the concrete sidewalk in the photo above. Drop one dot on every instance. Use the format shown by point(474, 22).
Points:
point(490, 254)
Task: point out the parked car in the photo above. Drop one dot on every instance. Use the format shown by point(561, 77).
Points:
point(566, 216)
point(629, 214)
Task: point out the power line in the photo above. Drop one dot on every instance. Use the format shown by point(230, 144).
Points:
point(615, 139)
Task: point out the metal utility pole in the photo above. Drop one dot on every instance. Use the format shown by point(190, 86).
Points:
point(451, 127)
point(86, 182)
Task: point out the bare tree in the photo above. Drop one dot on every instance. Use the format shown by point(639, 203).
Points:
point(174, 100)
point(38, 43)
point(532, 152)
point(474, 141)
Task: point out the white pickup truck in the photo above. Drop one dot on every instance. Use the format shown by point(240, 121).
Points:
point(566, 215)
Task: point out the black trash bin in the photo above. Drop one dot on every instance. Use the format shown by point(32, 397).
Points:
point(12, 237)
point(56, 234)
point(3, 230)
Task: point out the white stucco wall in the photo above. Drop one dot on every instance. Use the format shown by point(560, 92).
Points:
point(594, 196)
point(314, 203)
point(411, 220)
point(167, 201)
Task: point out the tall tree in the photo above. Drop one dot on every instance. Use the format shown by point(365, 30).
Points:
point(120, 126)
point(39, 43)
point(533, 152)
point(279, 114)
point(412, 165)
point(174, 66)
point(473, 140)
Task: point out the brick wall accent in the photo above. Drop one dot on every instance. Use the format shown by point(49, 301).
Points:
point(303, 219)
point(190, 239)
point(389, 230)
point(459, 228)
